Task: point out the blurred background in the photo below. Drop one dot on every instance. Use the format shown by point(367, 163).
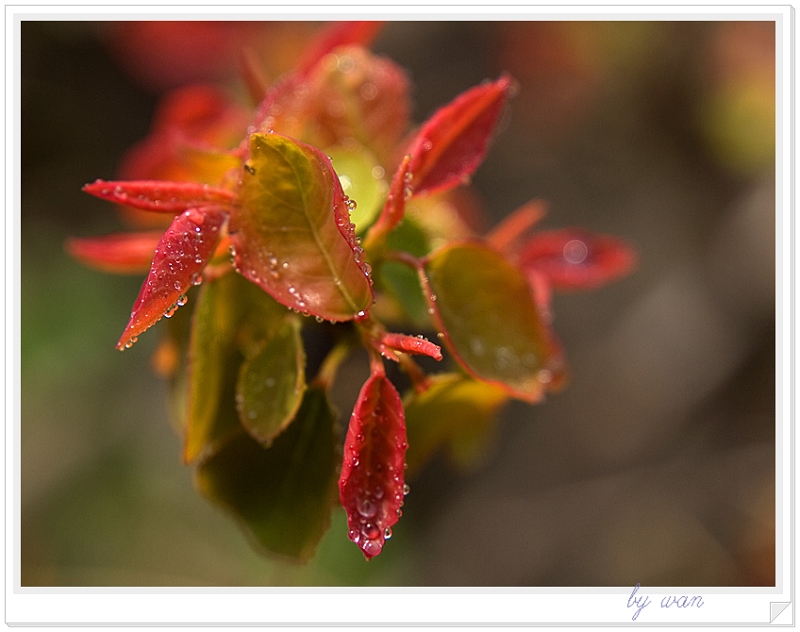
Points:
point(655, 465)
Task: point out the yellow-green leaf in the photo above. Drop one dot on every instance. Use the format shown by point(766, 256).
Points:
point(292, 233)
point(454, 409)
point(485, 309)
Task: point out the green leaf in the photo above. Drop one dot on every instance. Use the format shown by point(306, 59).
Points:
point(271, 384)
point(282, 495)
point(232, 318)
point(456, 412)
point(484, 307)
point(362, 181)
point(292, 233)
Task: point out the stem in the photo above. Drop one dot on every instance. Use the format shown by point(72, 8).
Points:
point(330, 365)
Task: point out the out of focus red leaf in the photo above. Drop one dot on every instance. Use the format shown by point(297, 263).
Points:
point(372, 480)
point(163, 55)
point(574, 259)
point(157, 195)
point(453, 142)
point(505, 237)
point(355, 95)
point(359, 33)
point(180, 257)
point(193, 116)
point(292, 233)
point(119, 253)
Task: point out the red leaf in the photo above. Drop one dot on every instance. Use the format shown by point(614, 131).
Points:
point(336, 35)
point(180, 257)
point(159, 196)
point(371, 484)
point(120, 253)
point(395, 207)
point(573, 259)
point(453, 142)
point(412, 344)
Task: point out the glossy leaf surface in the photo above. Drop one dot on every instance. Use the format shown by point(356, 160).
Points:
point(372, 477)
point(450, 412)
point(271, 384)
point(179, 259)
point(453, 142)
point(574, 259)
point(282, 495)
point(120, 253)
point(292, 233)
point(484, 307)
point(159, 196)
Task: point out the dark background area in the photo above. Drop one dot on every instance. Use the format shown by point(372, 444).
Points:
point(655, 466)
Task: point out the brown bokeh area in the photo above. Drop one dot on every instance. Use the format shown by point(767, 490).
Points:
point(656, 465)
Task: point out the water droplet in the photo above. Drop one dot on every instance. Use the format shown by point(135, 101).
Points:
point(406, 489)
point(433, 297)
point(476, 346)
point(371, 530)
point(182, 300)
point(345, 63)
point(431, 311)
point(361, 314)
point(367, 508)
point(378, 172)
point(372, 547)
point(387, 533)
point(427, 145)
point(378, 492)
point(368, 91)
point(544, 376)
point(575, 251)
point(249, 169)
point(399, 513)
point(354, 535)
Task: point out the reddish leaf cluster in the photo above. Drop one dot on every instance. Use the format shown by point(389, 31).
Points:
point(266, 221)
